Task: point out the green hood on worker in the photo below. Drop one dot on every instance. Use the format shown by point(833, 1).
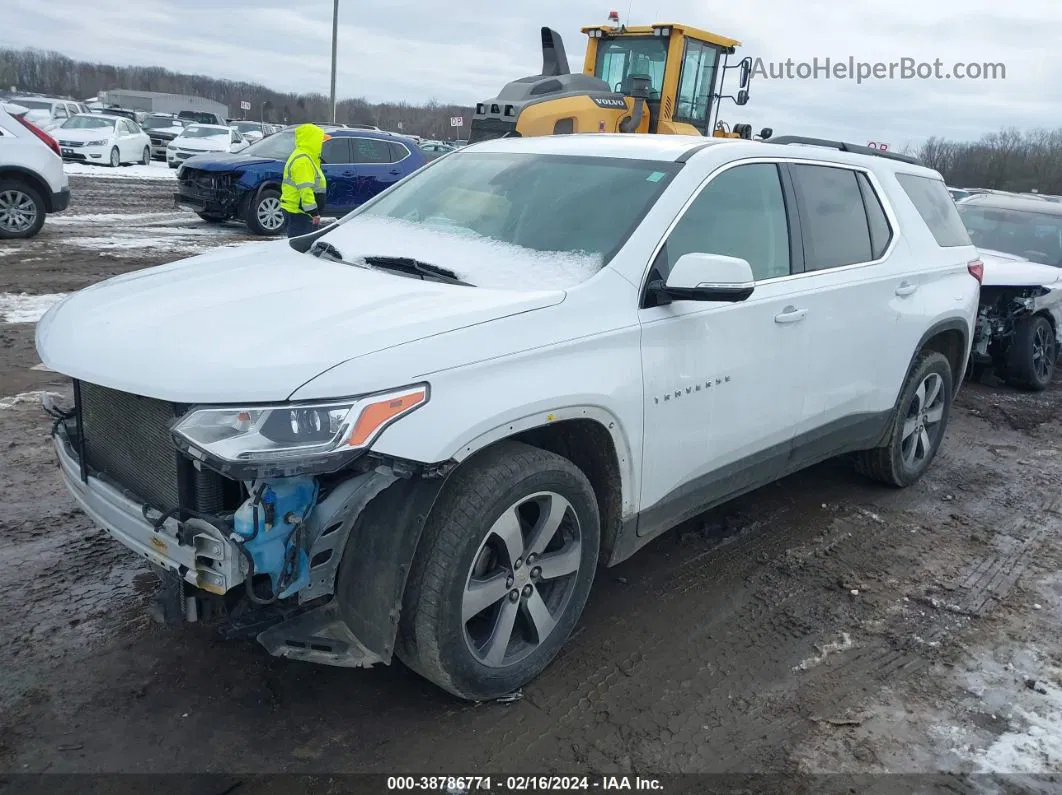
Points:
point(310, 138)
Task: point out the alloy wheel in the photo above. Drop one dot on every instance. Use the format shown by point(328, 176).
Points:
point(521, 579)
point(1043, 352)
point(922, 425)
point(18, 212)
point(269, 214)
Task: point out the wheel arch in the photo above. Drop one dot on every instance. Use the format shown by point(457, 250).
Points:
point(950, 337)
point(34, 180)
point(590, 437)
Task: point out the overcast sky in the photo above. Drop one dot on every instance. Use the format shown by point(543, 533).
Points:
point(465, 51)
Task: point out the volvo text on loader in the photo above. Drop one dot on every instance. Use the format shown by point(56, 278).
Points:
point(661, 78)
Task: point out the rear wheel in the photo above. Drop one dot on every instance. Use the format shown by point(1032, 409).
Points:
point(502, 572)
point(264, 216)
point(918, 425)
point(116, 158)
point(145, 158)
point(1032, 354)
point(22, 210)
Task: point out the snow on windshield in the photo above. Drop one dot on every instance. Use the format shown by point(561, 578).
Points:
point(478, 260)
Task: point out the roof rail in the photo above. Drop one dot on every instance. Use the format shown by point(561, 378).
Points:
point(843, 147)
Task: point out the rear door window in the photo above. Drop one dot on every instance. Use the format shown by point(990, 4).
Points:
point(371, 150)
point(931, 198)
point(398, 152)
point(833, 218)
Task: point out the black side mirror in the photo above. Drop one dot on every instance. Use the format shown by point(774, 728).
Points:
point(746, 72)
point(640, 86)
point(766, 133)
point(742, 97)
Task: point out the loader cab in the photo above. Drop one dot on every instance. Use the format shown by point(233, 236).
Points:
point(685, 67)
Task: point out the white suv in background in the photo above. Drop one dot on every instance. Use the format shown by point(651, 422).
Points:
point(32, 180)
point(419, 430)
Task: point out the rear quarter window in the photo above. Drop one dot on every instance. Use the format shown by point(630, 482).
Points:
point(931, 198)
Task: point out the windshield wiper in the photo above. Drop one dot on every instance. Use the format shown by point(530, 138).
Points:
point(414, 267)
point(323, 249)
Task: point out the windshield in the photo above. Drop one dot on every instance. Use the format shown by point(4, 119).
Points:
point(510, 220)
point(618, 59)
point(248, 126)
point(160, 122)
point(32, 104)
point(204, 132)
point(87, 123)
point(1030, 235)
point(192, 116)
point(278, 146)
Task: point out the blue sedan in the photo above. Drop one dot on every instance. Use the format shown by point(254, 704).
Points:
point(358, 164)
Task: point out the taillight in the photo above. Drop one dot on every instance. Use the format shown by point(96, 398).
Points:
point(50, 142)
point(977, 269)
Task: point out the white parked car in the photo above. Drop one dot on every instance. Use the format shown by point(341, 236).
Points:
point(253, 131)
point(32, 180)
point(1019, 328)
point(196, 139)
point(48, 113)
point(102, 138)
point(419, 430)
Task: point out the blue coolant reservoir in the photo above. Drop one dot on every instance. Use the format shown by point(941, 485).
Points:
point(285, 503)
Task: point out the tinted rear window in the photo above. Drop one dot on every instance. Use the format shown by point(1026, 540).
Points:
point(933, 202)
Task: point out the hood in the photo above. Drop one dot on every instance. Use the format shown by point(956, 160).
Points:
point(310, 138)
point(228, 162)
point(251, 323)
point(83, 134)
point(1007, 270)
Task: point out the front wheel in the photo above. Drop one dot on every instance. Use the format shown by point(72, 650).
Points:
point(145, 158)
point(1032, 354)
point(502, 572)
point(116, 158)
point(918, 425)
point(264, 216)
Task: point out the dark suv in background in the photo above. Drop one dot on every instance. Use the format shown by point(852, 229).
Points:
point(357, 165)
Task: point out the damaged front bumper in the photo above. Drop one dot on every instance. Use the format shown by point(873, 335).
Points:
point(360, 539)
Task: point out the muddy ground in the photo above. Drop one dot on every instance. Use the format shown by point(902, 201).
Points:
point(820, 625)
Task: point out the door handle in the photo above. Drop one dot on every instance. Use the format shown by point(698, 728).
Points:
point(791, 315)
point(906, 288)
point(394, 172)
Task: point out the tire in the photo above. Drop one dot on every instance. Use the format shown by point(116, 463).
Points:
point(173, 165)
point(22, 210)
point(913, 441)
point(262, 212)
point(212, 219)
point(442, 636)
point(146, 159)
point(116, 158)
point(1032, 354)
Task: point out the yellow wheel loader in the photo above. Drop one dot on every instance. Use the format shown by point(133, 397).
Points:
point(662, 78)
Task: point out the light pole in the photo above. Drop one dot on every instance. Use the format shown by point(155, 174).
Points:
point(335, 40)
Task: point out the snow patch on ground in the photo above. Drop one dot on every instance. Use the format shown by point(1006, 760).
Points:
point(6, 252)
point(844, 643)
point(159, 171)
point(479, 260)
point(26, 308)
point(26, 397)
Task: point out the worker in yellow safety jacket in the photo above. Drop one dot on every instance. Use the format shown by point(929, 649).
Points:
point(302, 192)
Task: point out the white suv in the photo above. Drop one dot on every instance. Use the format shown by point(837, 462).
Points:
point(32, 180)
point(420, 430)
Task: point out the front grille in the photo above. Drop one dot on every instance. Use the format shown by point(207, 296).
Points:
point(71, 143)
point(127, 441)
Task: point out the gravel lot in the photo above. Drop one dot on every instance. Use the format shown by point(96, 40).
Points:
point(822, 624)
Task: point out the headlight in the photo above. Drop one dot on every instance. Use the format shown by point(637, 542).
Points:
point(315, 434)
point(101, 142)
